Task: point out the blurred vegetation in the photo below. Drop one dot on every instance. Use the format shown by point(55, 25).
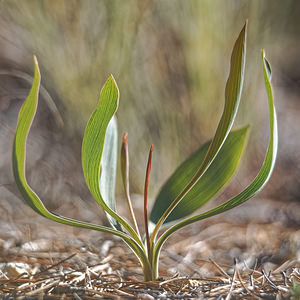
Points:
point(170, 59)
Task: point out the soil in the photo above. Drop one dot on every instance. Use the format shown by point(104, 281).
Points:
point(252, 252)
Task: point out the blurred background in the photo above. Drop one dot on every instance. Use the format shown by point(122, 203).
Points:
point(170, 59)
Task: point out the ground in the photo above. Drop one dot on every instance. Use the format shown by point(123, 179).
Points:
point(252, 252)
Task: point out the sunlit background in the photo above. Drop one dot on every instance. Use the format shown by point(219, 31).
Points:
point(170, 59)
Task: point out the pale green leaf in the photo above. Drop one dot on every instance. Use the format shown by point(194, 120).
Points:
point(25, 119)
point(108, 168)
point(92, 150)
point(93, 141)
point(216, 176)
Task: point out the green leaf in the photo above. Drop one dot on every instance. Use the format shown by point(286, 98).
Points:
point(232, 99)
point(216, 176)
point(92, 150)
point(25, 119)
point(108, 168)
point(93, 141)
point(257, 184)
point(26, 116)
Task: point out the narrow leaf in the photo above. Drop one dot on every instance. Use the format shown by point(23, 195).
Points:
point(125, 178)
point(216, 176)
point(232, 98)
point(25, 120)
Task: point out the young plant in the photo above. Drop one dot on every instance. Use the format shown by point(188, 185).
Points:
point(195, 182)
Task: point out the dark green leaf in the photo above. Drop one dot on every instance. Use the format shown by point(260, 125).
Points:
point(216, 176)
point(232, 99)
point(257, 184)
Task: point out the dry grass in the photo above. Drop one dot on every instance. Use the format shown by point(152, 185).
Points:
point(229, 259)
point(60, 280)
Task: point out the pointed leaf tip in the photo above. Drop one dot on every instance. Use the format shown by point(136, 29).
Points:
point(109, 88)
point(245, 27)
point(36, 67)
point(112, 78)
point(267, 64)
point(35, 60)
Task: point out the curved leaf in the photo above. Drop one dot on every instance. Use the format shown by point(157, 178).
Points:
point(257, 184)
point(232, 99)
point(26, 116)
point(25, 119)
point(94, 137)
point(92, 150)
point(216, 176)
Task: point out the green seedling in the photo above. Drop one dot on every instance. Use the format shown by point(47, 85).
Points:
point(194, 183)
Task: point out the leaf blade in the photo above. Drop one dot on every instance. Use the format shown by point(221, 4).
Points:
point(25, 119)
point(93, 144)
point(260, 180)
point(94, 136)
point(217, 175)
point(92, 150)
point(232, 98)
